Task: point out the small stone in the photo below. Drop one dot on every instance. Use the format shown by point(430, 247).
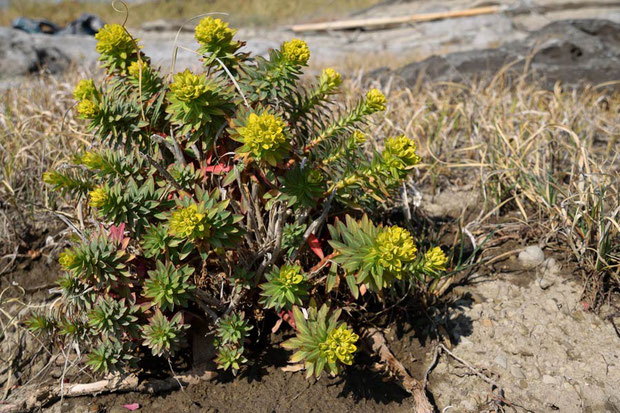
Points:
point(523, 383)
point(487, 323)
point(501, 360)
point(517, 372)
point(535, 374)
point(531, 256)
point(468, 405)
point(549, 380)
point(551, 267)
point(578, 315)
point(523, 330)
point(550, 305)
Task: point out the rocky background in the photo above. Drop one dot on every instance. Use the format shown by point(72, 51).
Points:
point(553, 37)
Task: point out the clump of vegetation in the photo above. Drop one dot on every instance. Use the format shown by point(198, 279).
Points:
point(225, 198)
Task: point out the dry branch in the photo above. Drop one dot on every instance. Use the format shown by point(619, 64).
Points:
point(376, 342)
point(49, 394)
point(391, 21)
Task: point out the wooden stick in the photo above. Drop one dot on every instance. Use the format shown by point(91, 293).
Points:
point(376, 341)
point(390, 21)
point(46, 395)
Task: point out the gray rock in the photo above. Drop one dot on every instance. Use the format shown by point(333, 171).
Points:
point(570, 51)
point(22, 53)
point(501, 360)
point(468, 405)
point(517, 372)
point(531, 256)
point(550, 380)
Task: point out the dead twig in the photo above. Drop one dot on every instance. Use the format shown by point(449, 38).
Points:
point(377, 343)
point(50, 394)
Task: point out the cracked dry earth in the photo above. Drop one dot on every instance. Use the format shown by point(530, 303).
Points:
point(530, 333)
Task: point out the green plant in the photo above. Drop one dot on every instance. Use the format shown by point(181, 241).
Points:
point(285, 287)
point(321, 342)
point(210, 194)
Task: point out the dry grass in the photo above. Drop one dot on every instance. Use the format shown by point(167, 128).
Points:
point(546, 160)
point(242, 12)
point(37, 131)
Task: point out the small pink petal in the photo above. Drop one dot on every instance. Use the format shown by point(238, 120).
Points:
point(131, 407)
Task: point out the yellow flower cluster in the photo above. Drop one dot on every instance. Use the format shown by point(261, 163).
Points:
point(359, 137)
point(435, 260)
point(114, 39)
point(85, 89)
point(189, 223)
point(375, 101)
point(315, 176)
point(136, 67)
point(296, 52)
point(290, 275)
point(67, 259)
point(87, 109)
point(264, 136)
point(212, 31)
point(187, 86)
point(92, 160)
point(340, 345)
point(330, 79)
point(394, 246)
point(49, 177)
point(98, 197)
point(402, 148)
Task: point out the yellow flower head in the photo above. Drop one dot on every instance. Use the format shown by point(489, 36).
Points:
point(212, 31)
point(189, 223)
point(339, 345)
point(296, 52)
point(402, 148)
point(435, 260)
point(375, 101)
point(315, 176)
point(290, 275)
point(264, 137)
point(187, 86)
point(67, 259)
point(330, 79)
point(113, 39)
point(85, 89)
point(98, 197)
point(49, 177)
point(92, 160)
point(394, 247)
point(359, 137)
point(87, 109)
point(136, 67)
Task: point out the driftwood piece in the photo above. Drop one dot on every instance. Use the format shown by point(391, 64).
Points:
point(391, 21)
point(49, 394)
point(377, 344)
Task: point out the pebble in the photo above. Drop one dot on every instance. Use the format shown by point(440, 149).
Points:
point(546, 379)
point(468, 405)
point(517, 372)
point(501, 360)
point(550, 305)
point(531, 256)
